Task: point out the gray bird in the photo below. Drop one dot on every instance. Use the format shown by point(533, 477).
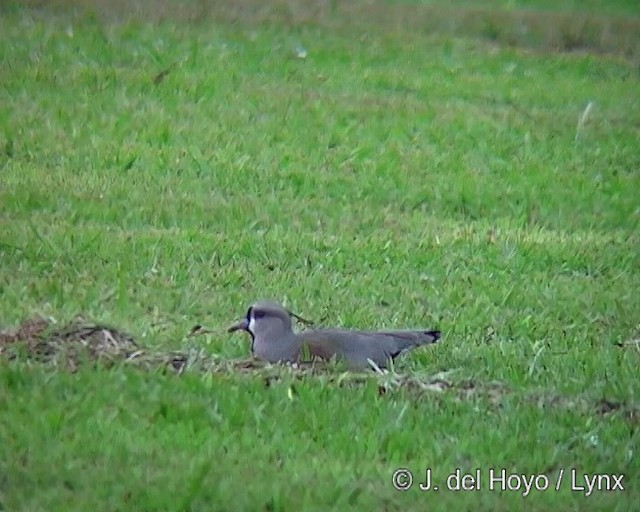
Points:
point(273, 339)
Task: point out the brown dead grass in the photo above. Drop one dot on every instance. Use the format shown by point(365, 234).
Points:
point(42, 338)
point(83, 342)
point(534, 29)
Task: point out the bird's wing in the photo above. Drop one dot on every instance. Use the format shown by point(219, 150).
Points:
point(358, 346)
point(353, 346)
point(321, 344)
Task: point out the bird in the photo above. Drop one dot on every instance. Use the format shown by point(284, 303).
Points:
point(274, 340)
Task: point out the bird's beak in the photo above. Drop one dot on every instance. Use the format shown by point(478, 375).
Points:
point(242, 325)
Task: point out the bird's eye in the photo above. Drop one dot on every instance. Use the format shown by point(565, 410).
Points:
point(258, 314)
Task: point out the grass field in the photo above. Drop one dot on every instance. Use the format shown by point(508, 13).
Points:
point(479, 179)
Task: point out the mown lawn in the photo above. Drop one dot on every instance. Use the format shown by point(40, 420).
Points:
point(159, 174)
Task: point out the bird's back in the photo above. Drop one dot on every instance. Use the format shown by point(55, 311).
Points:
point(358, 346)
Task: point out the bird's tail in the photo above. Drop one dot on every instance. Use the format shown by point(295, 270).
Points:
point(407, 340)
point(415, 338)
point(431, 337)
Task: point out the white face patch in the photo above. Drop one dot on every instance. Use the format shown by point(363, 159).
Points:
point(252, 325)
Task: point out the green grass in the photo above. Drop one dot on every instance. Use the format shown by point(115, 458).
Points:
point(392, 178)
